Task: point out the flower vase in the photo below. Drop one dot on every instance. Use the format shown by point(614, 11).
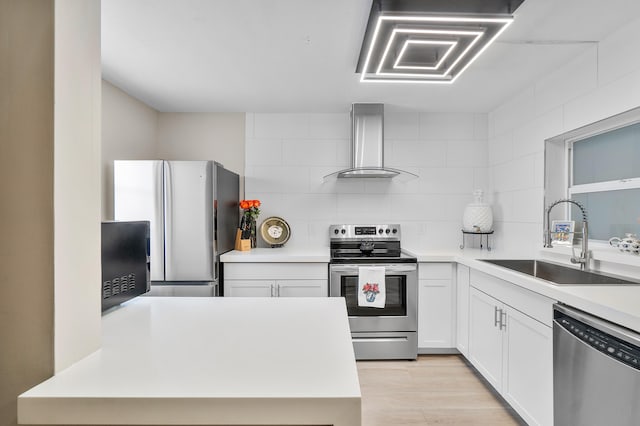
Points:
point(370, 296)
point(252, 227)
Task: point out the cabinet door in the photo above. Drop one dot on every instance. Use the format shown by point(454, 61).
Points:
point(462, 311)
point(435, 314)
point(528, 368)
point(485, 337)
point(249, 288)
point(301, 288)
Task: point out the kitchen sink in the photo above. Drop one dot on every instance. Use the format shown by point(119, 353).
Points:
point(558, 274)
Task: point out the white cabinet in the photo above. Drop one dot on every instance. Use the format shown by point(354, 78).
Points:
point(510, 343)
point(301, 288)
point(528, 380)
point(462, 309)
point(275, 279)
point(436, 306)
point(485, 336)
point(248, 288)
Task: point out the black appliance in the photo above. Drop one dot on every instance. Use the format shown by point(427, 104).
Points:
point(125, 261)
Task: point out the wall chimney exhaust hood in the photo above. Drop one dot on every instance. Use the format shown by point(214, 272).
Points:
point(367, 146)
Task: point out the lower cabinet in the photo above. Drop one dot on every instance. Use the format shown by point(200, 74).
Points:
point(512, 346)
point(276, 280)
point(436, 307)
point(486, 336)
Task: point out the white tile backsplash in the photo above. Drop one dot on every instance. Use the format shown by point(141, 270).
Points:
point(501, 148)
point(363, 208)
point(513, 175)
point(329, 126)
point(447, 151)
point(514, 112)
point(617, 56)
point(401, 125)
point(280, 126)
point(608, 100)
point(263, 152)
point(276, 179)
point(468, 153)
point(300, 152)
point(481, 126)
point(417, 153)
point(447, 126)
point(527, 205)
point(447, 181)
point(576, 78)
point(529, 138)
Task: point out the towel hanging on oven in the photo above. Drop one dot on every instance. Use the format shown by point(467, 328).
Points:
point(371, 289)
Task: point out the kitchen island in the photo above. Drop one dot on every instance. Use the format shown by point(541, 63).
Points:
point(209, 361)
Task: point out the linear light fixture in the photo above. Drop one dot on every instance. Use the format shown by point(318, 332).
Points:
point(429, 41)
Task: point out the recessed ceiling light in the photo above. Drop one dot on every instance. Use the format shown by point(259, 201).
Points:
point(429, 41)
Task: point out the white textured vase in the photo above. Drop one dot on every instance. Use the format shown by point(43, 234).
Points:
point(478, 216)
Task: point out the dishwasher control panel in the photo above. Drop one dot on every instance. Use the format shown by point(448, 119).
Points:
point(610, 345)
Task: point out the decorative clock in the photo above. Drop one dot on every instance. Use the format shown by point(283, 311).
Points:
point(275, 231)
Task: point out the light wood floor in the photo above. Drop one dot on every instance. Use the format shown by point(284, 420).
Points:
point(434, 390)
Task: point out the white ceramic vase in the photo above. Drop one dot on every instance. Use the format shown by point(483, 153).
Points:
point(478, 216)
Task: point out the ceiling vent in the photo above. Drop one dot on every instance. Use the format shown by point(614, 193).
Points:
point(429, 41)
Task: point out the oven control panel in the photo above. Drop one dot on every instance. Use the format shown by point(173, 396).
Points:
point(359, 232)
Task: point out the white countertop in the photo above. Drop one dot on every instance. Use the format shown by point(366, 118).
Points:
point(616, 303)
point(280, 254)
point(209, 361)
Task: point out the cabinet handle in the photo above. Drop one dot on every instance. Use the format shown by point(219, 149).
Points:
point(503, 320)
point(278, 290)
point(272, 292)
point(496, 319)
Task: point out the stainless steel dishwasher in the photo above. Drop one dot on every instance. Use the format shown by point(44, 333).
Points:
point(596, 371)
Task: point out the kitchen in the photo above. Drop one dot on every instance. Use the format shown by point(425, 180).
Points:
point(498, 146)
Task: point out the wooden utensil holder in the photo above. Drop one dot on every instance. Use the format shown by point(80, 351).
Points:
point(242, 245)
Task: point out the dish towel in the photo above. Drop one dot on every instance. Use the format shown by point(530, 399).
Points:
point(371, 289)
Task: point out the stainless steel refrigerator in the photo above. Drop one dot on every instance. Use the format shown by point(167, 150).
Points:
point(192, 207)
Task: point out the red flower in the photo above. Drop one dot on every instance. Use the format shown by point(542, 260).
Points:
point(370, 287)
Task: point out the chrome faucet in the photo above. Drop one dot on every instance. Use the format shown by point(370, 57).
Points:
point(583, 260)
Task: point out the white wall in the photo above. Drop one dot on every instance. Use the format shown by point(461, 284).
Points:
point(602, 82)
point(129, 132)
point(76, 180)
point(203, 136)
point(288, 154)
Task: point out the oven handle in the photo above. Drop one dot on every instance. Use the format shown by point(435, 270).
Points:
point(379, 339)
point(388, 268)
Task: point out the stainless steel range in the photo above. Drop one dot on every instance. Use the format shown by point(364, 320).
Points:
point(388, 331)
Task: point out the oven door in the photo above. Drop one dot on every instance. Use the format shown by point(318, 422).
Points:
point(401, 309)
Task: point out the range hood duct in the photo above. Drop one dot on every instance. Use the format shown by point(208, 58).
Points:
point(367, 146)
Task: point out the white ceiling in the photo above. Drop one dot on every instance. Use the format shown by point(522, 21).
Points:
point(301, 55)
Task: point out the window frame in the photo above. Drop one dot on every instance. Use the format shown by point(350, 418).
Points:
point(562, 183)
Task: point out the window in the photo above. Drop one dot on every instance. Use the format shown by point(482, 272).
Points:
point(604, 176)
point(597, 165)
